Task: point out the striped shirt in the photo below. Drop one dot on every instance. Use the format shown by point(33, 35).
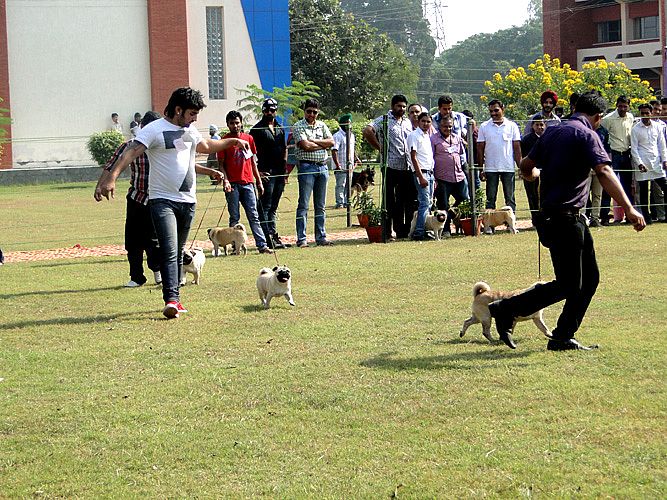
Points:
point(139, 179)
point(305, 132)
point(399, 129)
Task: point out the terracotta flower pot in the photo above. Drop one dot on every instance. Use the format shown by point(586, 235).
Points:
point(466, 226)
point(363, 220)
point(374, 234)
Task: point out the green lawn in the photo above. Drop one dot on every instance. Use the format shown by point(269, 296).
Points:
point(363, 390)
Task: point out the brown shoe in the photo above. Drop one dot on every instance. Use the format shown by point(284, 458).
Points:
point(266, 250)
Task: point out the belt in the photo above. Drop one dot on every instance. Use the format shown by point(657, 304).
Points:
point(319, 163)
point(624, 153)
point(550, 212)
point(426, 171)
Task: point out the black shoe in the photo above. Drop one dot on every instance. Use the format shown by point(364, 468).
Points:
point(569, 345)
point(278, 244)
point(504, 324)
point(417, 237)
point(325, 243)
point(270, 243)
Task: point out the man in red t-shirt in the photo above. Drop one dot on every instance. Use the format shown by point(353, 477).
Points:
point(240, 176)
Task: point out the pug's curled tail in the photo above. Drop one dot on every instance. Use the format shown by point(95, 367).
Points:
point(265, 270)
point(480, 287)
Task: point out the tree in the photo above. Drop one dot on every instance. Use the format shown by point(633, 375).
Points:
point(290, 98)
point(355, 67)
point(404, 23)
point(521, 88)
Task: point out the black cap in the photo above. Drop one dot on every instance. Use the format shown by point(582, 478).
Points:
point(269, 104)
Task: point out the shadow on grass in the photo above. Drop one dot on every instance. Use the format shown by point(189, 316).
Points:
point(250, 308)
point(457, 361)
point(73, 321)
point(112, 259)
point(59, 292)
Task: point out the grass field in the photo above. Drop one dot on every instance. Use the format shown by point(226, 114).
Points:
point(363, 390)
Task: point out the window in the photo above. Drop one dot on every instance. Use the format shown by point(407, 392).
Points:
point(215, 51)
point(646, 27)
point(609, 31)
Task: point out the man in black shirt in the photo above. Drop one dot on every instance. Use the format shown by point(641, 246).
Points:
point(566, 155)
point(537, 127)
point(271, 161)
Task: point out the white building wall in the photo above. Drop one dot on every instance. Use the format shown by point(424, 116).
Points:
point(71, 64)
point(239, 59)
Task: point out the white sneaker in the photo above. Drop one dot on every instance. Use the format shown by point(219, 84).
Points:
point(158, 277)
point(488, 230)
point(132, 284)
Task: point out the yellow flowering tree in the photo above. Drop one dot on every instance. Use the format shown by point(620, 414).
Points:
point(520, 88)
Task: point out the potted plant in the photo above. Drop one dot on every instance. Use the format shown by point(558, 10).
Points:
point(465, 209)
point(369, 215)
point(364, 204)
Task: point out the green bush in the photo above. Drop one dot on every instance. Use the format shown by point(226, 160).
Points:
point(102, 145)
point(4, 120)
point(363, 150)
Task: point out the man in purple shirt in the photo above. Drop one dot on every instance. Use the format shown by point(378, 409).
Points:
point(449, 177)
point(566, 155)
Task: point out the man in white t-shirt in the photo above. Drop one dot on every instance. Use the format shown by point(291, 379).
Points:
point(421, 154)
point(499, 152)
point(344, 159)
point(171, 144)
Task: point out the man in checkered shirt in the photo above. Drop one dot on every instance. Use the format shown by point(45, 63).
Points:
point(139, 231)
point(401, 190)
point(312, 138)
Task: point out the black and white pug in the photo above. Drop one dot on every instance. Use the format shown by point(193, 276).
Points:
point(274, 283)
point(193, 263)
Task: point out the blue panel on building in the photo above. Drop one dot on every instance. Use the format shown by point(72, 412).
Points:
point(268, 27)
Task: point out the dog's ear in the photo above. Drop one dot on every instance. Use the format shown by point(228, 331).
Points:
point(275, 269)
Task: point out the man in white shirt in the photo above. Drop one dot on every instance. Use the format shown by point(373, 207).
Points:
point(498, 151)
point(170, 144)
point(649, 155)
point(343, 158)
point(657, 197)
point(421, 154)
point(619, 125)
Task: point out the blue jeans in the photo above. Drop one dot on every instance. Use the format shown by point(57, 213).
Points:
point(245, 193)
point(172, 221)
point(273, 191)
point(312, 181)
point(341, 183)
point(425, 200)
point(492, 181)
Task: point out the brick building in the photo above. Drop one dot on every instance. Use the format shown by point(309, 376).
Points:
point(66, 65)
point(628, 31)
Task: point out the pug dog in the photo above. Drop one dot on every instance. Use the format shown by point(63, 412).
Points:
point(223, 236)
point(492, 218)
point(193, 263)
point(483, 296)
point(433, 223)
point(274, 283)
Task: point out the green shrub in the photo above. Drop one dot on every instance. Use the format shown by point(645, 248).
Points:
point(363, 150)
point(4, 120)
point(102, 145)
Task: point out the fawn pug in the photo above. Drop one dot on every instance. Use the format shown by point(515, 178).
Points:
point(274, 282)
point(193, 263)
point(223, 236)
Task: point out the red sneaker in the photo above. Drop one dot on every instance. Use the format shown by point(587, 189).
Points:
point(171, 310)
point(181, 309)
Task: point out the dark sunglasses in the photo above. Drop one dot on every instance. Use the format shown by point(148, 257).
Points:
point(312, 111)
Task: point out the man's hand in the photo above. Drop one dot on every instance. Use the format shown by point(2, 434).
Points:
point(226, 186)
point(482, 176)
point(260, 187)
point(105, 188)
point(422, 181)
point(642, 168)
point(635, 218)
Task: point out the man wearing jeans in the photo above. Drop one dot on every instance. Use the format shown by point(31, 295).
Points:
point(421, 155)
point(271, 146)
point(241, 174)
point(498, 150)
point(312, 138)
point(171, 143)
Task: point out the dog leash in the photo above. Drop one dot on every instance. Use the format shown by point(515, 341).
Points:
point(201, 221)
point(539, 260)
point(222, 213)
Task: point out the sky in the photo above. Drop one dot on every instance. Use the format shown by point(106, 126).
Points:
point(464, 18)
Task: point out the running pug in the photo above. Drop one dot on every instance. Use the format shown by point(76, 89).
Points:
point(193, 263)
point(223, 236)
point(274, 283)
point(483, 296)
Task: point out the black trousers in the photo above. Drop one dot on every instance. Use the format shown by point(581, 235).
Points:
point(401, 200)
point(577, 276)
point(139, 238)
point(533, 194)
point(268, 205)
point(644, 198)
